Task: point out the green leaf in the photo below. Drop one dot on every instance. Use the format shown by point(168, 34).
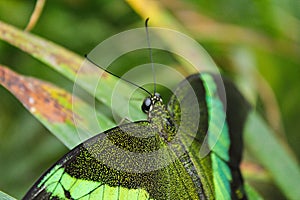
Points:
point(273, 155)
point(4, 196)
point(251, 193)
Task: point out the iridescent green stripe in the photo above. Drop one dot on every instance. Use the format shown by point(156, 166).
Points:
point(218, 138)
point(57, 181)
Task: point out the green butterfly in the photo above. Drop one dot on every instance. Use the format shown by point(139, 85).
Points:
point(184, 150)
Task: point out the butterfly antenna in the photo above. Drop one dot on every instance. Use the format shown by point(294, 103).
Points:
point(91, 61)
point(150, 54)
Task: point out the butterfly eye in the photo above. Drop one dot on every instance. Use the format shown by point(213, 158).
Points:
point(146, 105)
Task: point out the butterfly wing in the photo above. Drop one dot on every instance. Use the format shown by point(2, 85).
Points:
point(121, 163)
point(82, 174)
point(215, 148)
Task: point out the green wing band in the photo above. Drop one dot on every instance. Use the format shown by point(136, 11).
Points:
point(218, 139)
point(57, 182)
point(218, 135)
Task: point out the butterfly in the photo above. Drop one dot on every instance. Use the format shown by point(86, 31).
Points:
point(189, 148)
point(161, 157)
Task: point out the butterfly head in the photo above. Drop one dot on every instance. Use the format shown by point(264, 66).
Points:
point(148, 103)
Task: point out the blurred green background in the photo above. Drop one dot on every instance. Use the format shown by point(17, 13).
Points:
point(257, 43)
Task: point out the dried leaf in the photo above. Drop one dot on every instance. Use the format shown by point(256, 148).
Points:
point(53, 107)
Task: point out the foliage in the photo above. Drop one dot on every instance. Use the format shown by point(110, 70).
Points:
point(250, 41)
